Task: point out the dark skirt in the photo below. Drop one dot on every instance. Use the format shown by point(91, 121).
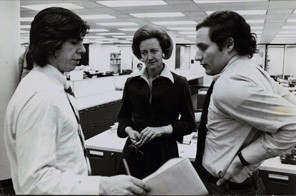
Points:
point(148, 158)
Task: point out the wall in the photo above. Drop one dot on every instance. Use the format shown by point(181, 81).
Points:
point(99, 56)
point(275, 60)
point(196, 69)
point(9, 51)
point(100, 59)
point(290, 61)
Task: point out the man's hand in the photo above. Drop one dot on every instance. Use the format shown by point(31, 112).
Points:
point(236, 172)
point(122, 185)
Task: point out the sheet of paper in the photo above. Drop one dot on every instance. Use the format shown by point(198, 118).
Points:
point(176, 177)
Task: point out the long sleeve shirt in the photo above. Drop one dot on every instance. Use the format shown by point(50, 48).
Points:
point(248, 112)
point(41, 135)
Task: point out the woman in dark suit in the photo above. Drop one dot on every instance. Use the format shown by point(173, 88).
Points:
point(157, 109)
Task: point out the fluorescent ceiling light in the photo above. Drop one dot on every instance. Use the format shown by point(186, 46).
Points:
point(282, 38)
point(175, 23)
point(291, 20)
point(128, 29)
point(98, 30)
point(27, 19)
point(108, 39)
point(187, 32)
point(255, 21)
point(181, 28)
point(257, 32)
point(245, 12)
point(100, 16)
point(93, 37)
point(287, 32)
point(131, 3)
point(24, 31)
point(289, 27)
point(25, 26)
point(225, 1)
point(285, 35)
point(282, 42)
point(123, 36)
point(117, 24)
point(40, 7)
point(124, 41)
point(258, 27)
point(158, 15)
point(110, 34)
point(181, 39)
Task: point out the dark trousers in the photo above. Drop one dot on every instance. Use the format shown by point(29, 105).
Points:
point(251, 186)
point(6, 187)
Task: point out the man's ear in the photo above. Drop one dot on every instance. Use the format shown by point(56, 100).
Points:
point(229, 44)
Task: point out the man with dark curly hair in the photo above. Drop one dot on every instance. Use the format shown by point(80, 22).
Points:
point(248, 118)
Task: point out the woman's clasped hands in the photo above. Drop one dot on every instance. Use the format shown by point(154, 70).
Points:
point(146, 135)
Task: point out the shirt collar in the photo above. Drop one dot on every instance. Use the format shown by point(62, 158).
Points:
point(53, 73)
point(232, 61)
point(165, 73)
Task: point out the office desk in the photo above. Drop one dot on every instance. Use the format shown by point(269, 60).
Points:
point(108, 141)
point(105, 151)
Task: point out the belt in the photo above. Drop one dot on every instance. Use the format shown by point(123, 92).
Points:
point(6, 183)
point(204, 174)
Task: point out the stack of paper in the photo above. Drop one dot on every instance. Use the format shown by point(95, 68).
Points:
point(176, 177)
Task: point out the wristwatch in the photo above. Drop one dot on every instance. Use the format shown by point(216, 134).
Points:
point(242, 159)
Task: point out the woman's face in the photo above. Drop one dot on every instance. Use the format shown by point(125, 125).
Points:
point(151, 54)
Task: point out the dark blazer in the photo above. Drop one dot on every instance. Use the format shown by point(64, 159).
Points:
point(171, 104)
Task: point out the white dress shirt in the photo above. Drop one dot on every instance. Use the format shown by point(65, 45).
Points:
point(247, 105)
point(41, 135)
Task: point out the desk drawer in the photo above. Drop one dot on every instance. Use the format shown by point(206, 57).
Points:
point(103, 163)
point(277, 183)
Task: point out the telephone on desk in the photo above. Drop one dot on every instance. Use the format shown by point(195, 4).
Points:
point(289, 158)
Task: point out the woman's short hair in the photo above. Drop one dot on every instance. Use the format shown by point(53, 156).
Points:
point(152, 31)
point(50, 28)
point(225, 24)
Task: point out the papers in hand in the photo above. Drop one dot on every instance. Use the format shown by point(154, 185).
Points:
point(176, 177)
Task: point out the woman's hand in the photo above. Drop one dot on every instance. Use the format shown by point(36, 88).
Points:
point(133, 135)
point(150, 133)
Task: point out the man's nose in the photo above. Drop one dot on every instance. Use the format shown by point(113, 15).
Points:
point(198, 56)
point(81, 49)
point(149, 55)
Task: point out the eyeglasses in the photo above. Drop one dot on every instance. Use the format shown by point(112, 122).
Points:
point(135, 149)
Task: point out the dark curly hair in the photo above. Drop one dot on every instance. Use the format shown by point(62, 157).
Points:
point(50, 28)
point(152, 31)
point(224, 24)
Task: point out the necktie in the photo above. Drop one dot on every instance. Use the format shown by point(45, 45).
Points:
point(69, 91)
point(202, 129)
